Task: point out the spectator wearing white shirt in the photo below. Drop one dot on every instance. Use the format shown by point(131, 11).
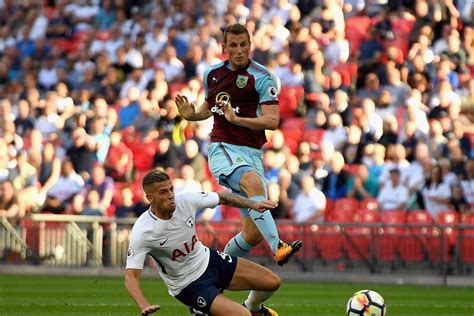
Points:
point(467, 184)
point(338, 50)
point(48, 77)
point(436, 193)
point(187, 183)
point(172, 67)
point(310, 203)
point(394, 194)
point(336, 133)
point(63, 190)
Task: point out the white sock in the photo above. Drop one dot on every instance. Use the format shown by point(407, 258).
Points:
point(255, 299)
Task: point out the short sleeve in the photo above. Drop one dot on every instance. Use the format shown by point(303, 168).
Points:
point(137, 252)
point(267, 88)
point(200, 200)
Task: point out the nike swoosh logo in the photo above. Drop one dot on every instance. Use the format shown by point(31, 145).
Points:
point(163, 242)
point(260, 217)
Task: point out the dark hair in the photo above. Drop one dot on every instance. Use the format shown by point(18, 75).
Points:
point(235, 29)
point(154, 176)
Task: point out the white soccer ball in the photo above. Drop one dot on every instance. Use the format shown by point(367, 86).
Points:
point(366, 303)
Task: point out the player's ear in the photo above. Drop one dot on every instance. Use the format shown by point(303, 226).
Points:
point(149, 197)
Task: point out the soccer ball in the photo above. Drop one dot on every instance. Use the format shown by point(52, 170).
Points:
point(366, 303)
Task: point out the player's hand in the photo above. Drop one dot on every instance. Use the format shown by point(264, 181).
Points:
point(186, 109)
point(262, 206)
point(150, 309)
point(229, 113)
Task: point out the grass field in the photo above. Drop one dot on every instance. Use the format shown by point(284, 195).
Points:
point(33, 295)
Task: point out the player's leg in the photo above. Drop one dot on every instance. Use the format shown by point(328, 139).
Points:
point(224, 306)
point(261, 281)
point(253, 186)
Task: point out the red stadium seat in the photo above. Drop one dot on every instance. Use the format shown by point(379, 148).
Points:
point(328, 242)
point(293, 123)
point(351, 204)
point(230, 213)
point(413, 241)
point(288, 104)
point(443, 240)
point(224, 231)
point(359, 240)
point(356, 30)
point(467, 239)
point(294, 134)
point(343, 211)
point(369, 204)
point(313, 136)
point(206, 234)
point(389, 235)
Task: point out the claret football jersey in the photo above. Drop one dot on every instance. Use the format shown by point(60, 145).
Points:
point(246, 89)
point(173, 243)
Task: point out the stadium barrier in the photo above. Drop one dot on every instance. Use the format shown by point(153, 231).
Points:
point(75, 241)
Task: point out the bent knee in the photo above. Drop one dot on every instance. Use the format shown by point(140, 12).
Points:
point(275, 282)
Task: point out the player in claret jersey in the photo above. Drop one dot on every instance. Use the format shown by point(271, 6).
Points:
point(242, 96)
point(194, 274)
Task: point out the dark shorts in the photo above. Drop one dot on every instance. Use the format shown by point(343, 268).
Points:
point(201, 293)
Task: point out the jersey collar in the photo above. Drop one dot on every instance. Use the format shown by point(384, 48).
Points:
point(227, 65)
point(152, 215)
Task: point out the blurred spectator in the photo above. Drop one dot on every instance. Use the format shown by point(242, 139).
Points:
point(9, 206)
point(105, 19)
point(336, 133)
point(335, 184)
point(436, 193)
point(93, 207)
point(119, 161)
point(467, 184)
point(101, 139)
point(195, 159)
point(363, 185)
point(49, 171)
point(24, 122)
point(130, 110)
point(24, 178)
point(126, 208)
point(274, 194)
point(310, 203)
point(64, 189)
point(393, 195)
point(187, 182)
point(103, 184)
point(167, 155)
point(457, 202)
point(83, 152)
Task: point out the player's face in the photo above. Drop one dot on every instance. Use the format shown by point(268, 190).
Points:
point(237, 47)
point(161, 197)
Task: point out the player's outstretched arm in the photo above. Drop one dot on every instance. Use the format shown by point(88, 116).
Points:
point(235, 200)
point(190, 111)
point(132, 284)
point(269, 118)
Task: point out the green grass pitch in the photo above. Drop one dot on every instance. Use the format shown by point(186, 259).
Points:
point(48, 295)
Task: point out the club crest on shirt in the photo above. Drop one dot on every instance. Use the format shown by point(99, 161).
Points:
point(190, 222)
point(201, 302)
point(241, 81)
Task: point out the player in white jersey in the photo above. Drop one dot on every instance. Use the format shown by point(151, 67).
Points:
point(194, 274)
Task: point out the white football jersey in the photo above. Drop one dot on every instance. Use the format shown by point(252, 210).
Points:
point(173, 243)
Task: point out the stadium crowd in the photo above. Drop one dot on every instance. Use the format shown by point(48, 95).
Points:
point(377, 102)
